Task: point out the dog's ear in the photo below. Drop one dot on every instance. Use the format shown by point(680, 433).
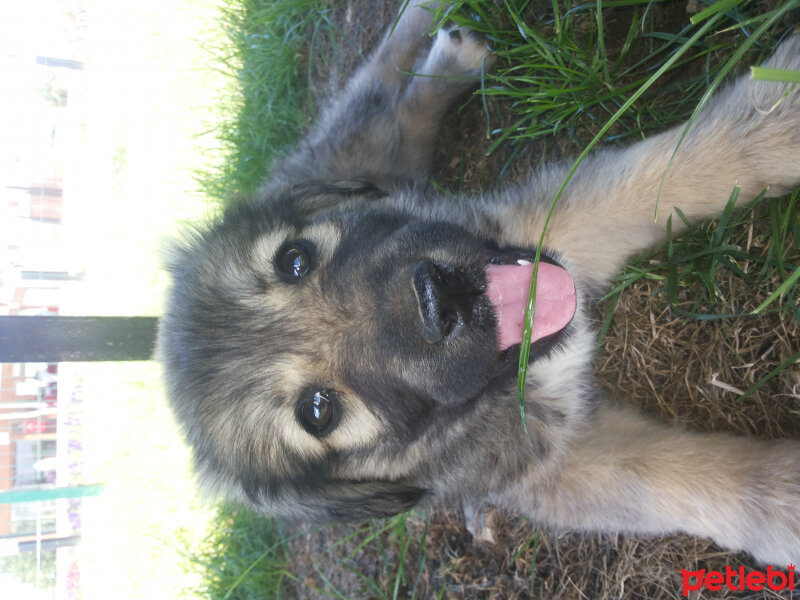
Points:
point(359, 187)
point(313, 196)
point(356, 501)
point(294, 204)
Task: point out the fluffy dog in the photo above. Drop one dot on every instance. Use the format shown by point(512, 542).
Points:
point(344, 344)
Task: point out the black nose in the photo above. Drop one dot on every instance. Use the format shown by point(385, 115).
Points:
point(445, 299)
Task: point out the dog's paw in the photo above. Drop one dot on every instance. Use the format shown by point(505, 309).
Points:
point(415, 21)
point(458, 52)
point(476, 521)
point(467, 48)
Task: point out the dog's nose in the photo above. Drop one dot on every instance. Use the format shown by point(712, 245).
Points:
point(444, 300)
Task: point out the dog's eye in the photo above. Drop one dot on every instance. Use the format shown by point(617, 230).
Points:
point(317, 411)
point(295, 259)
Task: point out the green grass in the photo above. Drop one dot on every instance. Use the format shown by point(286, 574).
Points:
point(563, 76)
point(268, 105)
point(698, 257)
point(582, 73)
point(756, 250)
point(243, 557)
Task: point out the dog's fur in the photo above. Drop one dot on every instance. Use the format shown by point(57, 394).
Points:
point(417, 421)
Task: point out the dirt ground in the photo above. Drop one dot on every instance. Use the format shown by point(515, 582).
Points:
point(677, 371)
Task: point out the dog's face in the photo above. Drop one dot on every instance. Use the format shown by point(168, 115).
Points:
point(321, 348)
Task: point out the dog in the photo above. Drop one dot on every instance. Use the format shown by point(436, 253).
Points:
point(344, 344)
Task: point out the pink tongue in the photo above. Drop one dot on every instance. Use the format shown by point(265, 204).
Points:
point(508, 290)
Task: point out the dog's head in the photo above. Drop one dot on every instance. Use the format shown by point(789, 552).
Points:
point(321, 347)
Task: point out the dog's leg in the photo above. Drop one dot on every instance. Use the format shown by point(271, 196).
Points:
point(454, 64)
point(748, 136)
point(383, 125)
point(627, 474)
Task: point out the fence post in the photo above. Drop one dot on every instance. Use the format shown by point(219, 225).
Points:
point(76, 339)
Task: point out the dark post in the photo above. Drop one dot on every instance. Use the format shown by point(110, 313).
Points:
point(76, 339)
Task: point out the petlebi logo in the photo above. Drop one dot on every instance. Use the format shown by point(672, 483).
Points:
point(736, 580)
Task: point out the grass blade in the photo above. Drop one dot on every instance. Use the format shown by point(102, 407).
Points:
point(781, 291)
point(768, 74)
point(791, 360)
